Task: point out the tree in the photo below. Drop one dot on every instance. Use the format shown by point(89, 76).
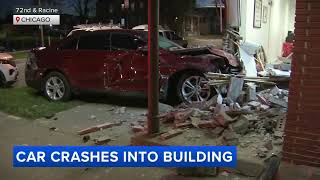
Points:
point(55, 3)
point(174, 11)
point(82, 8)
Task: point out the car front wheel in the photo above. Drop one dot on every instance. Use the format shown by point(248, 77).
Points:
point(56, 87)
point(191, 88)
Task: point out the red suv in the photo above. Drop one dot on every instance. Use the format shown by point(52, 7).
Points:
point(116, 60)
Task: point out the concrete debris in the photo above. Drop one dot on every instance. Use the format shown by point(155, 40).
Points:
point(120, 110)
point(216, 132)
point(184, 125)
point(278, 142)
point(268, 145)
point(241, 125)
point(207, 124)
point(220, 110)
point(102, 140)
point(279, 102)
point(182, 116)
point(170, 134)
point(230, 138)
point(250, 122)
point(278, 134)
point(220, 121)
point(254, 104)
point(93, 117)
point(98, 128)
point(138, 128)
point(195, 121)
point(165, 108)
point(275, 91)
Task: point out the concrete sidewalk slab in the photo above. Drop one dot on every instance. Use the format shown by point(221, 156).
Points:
point(17, 131)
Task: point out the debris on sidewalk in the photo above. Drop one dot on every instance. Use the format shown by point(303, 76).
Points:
point(171, 134)
point(120, 110)
point(93, 117)
point(138, 128)
point(98, 128)
point(53, 129)
point(246, 116)
point(102, 140)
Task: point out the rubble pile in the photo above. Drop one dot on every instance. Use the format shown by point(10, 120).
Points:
point(250, 122)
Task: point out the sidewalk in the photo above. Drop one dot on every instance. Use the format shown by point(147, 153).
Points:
point(17, 131)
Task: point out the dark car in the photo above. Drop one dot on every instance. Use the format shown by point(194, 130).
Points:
point(116, 60)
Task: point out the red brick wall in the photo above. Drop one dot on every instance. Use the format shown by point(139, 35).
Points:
point(302, 131)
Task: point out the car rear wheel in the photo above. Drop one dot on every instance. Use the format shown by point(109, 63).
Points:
point(56, 87)
point(192, 89)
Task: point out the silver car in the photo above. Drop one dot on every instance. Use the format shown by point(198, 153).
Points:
point(8, 70)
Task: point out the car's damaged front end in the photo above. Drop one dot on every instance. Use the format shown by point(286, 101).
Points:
point(194, 60)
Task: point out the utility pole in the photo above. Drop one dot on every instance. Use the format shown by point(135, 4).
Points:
point(153, 66)
point(41, 28)
point(221, 20)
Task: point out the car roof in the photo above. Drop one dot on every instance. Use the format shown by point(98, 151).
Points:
point(79, 32)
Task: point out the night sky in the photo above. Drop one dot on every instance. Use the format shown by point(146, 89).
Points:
point(7, 5)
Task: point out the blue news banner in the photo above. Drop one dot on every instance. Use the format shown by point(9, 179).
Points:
point(124, 156)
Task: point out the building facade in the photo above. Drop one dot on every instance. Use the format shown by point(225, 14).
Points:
point(182, 16)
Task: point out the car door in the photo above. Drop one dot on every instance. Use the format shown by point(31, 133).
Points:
point(86, 67)
point(126, 67)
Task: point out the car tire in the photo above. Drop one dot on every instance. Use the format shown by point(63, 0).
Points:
point(189, 85)
point(2, 80)
point(56, 87)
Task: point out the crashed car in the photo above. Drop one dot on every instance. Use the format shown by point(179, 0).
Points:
point(116, 60)
point(8, 70)
point(171, 35)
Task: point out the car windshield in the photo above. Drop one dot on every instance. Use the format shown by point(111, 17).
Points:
point(163, 42)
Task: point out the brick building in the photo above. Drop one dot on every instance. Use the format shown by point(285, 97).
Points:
point(302, 129)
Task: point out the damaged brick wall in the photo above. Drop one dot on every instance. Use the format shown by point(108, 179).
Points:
point(302, 130)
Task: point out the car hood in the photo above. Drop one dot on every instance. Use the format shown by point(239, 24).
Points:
point(205, 51)
point(5, 56)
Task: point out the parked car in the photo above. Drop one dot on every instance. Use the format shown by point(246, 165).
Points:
point(8, 70)
point(171, 35)
point(116, 60)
